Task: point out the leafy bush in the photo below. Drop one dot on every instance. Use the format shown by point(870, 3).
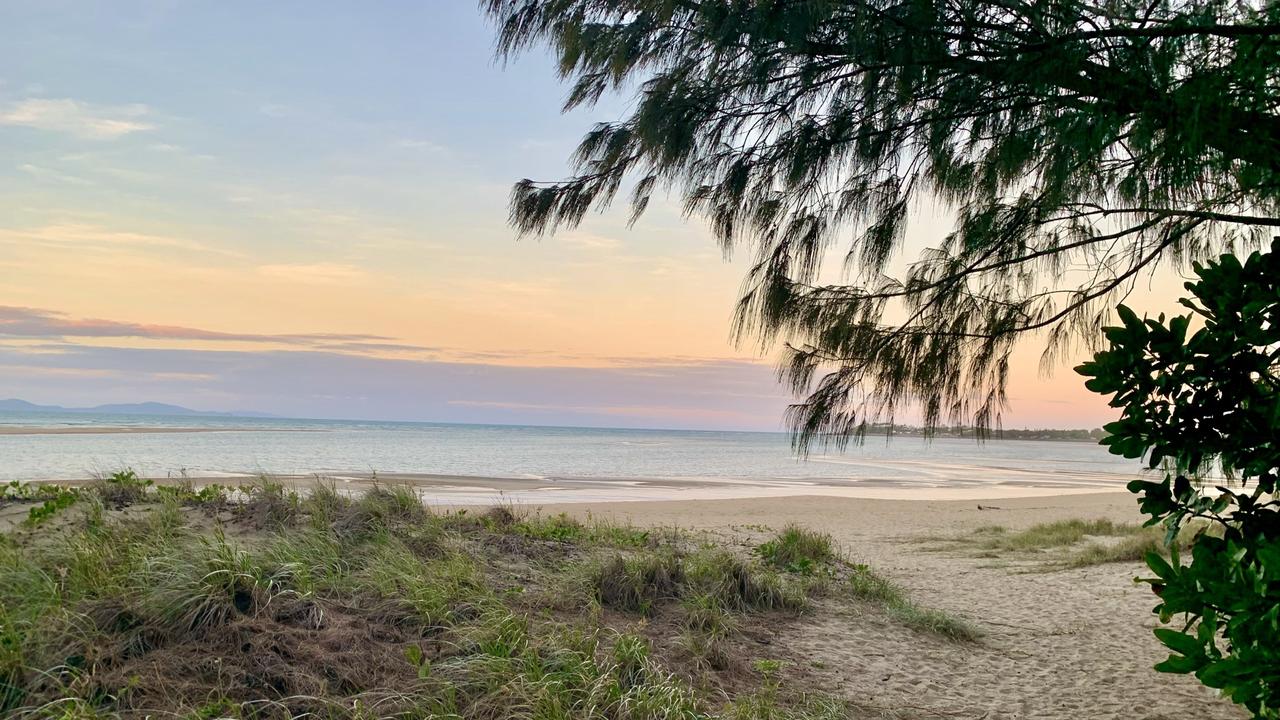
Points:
point(1193, 403)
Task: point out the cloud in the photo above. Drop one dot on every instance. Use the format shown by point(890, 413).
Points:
point(316, 273)
point(24, 322)
point(93, 236)
point(93, 122)
point(422, 145)
point(275, 110)
point(588, 241)
point(44, 173)
point(607, 410)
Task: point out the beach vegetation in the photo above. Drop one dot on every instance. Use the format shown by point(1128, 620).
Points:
point(798, 550)
point(866, 584)
point(1202, 408)
point(267, 601)
point(122, 488)
point(1056, 534)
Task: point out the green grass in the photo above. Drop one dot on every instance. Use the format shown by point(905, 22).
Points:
point(798, 549)
point(865, 584)
point(1075, 543)
point(1044, 536)
point(265, 601)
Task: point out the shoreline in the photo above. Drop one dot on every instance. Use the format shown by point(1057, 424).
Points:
point(444, 490)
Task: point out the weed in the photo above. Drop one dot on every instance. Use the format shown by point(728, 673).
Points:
point(557, 528)
point(61, 499)
point(636, 583)
point(865, 584)
point(797, 550)
point(733, 583)
point(1050, 535)
point(122, 489)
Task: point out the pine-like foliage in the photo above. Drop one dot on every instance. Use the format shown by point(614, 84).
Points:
point(1077, 145)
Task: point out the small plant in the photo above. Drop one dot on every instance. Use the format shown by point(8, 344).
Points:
point(57, 499)
point(419, 660)
point(269, 505)
point(864, 583)
point(1043, 536)
point(798, 550)
point(123, 488)
point(636, 583)
point(557, 528)
point(735, 584)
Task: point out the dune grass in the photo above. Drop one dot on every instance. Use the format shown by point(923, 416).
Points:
point(865, 584)
point(262, 601)
point(1044, 536)
point(1077, 543)
point(798, 549)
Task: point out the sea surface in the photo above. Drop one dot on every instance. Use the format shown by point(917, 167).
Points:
point(617, 458)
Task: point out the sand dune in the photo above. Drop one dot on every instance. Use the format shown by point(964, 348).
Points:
point(1061, 644)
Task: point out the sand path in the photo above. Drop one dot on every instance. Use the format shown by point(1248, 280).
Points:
point(1063, 644)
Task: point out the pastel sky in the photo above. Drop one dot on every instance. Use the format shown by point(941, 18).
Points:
point(300, 208)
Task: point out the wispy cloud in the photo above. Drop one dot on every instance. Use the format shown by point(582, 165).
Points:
point(316, 273)
point(24, 322)
point(43, 173)
point(85, 235)
point(420, 145)
point(588, 241)
point(81, 119)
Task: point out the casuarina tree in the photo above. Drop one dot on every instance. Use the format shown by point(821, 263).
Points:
point(1074, 146)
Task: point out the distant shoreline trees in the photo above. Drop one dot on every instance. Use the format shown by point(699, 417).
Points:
point(969, 431)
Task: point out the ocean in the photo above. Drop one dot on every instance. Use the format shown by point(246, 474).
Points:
point(620, 460)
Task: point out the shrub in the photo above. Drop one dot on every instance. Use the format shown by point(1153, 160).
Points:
point(725, 577)
point(797, 549)
point(123, 488)
point(636, 583)
point(1193, 402)
point(558, 528)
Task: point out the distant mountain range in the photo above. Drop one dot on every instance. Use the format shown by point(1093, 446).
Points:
point(145, 408)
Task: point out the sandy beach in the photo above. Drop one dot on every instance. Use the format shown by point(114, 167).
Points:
point(1061, 644)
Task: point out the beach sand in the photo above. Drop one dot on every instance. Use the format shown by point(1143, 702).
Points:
point(1062, 644)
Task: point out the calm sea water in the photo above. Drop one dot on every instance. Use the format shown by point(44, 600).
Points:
point(331, 447)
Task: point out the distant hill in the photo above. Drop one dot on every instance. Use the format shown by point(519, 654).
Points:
point(144, 408)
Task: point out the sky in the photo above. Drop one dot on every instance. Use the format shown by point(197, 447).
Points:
point(300, 208)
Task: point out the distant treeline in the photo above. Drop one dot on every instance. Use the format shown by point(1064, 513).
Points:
point(962, 431)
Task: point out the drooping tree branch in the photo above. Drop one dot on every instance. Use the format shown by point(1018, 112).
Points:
point(1076, 144)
